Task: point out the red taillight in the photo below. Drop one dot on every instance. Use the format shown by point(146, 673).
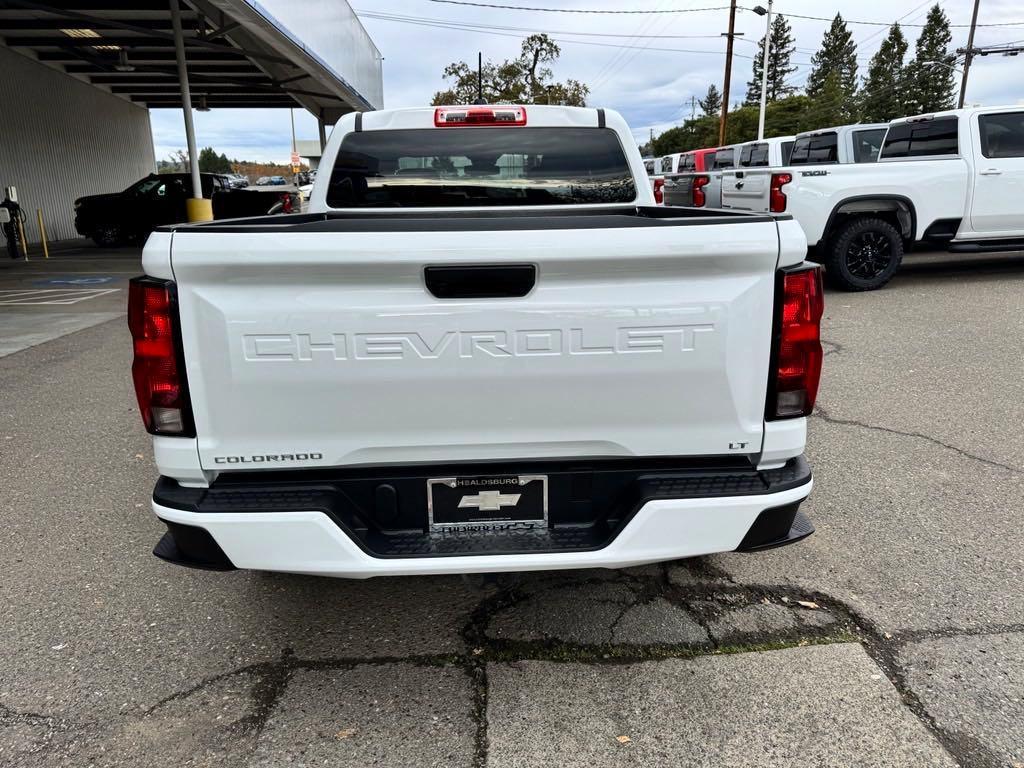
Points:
point(776, 197)
point(699, 198)
point(798, 355)
point(463, 116)
point(159, 379)
point(659, 191)
point(286, 203)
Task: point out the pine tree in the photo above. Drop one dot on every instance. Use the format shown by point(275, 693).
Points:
point(779, 67)
point(836, 59)
point(883, 95)
point(711, 104)
point(831, 106)
point(929, 77)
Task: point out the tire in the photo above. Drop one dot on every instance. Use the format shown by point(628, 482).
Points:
point(109, 236)
point(863, 255)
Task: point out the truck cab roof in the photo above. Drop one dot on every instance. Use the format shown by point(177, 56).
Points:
point(842, 129)
point(964, 112)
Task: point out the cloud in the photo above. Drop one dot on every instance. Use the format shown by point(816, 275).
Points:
point(651, 86)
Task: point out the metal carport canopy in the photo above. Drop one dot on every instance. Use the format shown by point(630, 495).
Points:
point(239, 54)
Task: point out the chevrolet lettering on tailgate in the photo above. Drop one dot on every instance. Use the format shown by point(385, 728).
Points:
point(470, 344)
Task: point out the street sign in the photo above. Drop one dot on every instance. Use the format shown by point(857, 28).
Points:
point(295, 158)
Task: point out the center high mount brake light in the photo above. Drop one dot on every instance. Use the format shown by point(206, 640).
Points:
point(479, 116)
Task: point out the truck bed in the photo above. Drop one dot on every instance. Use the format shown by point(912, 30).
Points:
point(421, 220)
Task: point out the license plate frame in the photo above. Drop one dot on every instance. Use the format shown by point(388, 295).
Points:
point(468, 502)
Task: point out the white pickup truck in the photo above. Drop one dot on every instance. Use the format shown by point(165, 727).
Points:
point(844, 144)
point(951, 180)
point(483, 348)
point(691, 184)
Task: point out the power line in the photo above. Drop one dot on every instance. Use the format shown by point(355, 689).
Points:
point(622, 59)
point(605, 11)
point(447, 22)
point(805, 75)
point(870, 23)
point(612, 63)
point(467, 28)
point(576, 10)
point(877, 32)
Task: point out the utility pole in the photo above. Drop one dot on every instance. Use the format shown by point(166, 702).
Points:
point(969, 55)
point(730, 35)
point(693, 107)
point(766, 52)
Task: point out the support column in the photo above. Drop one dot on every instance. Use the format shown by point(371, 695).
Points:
point(198, 209)
point(321, 127)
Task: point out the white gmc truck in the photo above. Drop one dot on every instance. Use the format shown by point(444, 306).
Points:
point(484, 348)
point(952, 180)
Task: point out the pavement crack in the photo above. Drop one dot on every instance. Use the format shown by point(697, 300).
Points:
point(271, 677)
point(883, 648)
point(906, 637)
point(625, 608)
point(831, 347)
point(476, 669)
point(9, 716)
point(266, 691)
point(474, 634)
point(824, 415)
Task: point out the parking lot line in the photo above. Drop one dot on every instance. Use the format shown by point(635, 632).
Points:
point(50, 296)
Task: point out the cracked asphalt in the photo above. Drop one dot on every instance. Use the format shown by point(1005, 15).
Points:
point(892, 637)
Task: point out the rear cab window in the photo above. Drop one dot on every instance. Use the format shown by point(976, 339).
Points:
point(754, 156)
point(867, 144)
point(1002, 135)
point(820, 149)
point(724, 158)
point(469, 167)
point(922, 138)
point(687, 163)
point(787, 152)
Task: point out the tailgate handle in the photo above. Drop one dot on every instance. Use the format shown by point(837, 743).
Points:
point(481, 281)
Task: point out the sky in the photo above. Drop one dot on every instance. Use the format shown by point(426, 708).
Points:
point(645, 65)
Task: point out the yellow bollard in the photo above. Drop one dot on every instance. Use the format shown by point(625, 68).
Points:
point(24, 243)
point(42, 232)
point(199, 209)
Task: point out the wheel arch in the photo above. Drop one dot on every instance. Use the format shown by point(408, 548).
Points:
point(897, 207)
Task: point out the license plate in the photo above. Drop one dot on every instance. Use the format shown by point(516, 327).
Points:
point(491, 501)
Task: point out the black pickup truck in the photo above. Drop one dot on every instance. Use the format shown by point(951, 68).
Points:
point(129, 216)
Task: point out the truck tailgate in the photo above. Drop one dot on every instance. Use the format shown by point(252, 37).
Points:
point(745, 190)
point(327, 347)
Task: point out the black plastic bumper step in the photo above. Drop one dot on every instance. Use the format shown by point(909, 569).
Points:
point(384, 510)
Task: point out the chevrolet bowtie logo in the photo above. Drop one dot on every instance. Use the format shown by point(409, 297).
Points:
point(490, 501)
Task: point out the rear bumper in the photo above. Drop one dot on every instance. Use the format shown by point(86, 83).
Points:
point(321, 529)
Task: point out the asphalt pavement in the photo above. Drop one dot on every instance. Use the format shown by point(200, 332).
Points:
point(892, 637)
